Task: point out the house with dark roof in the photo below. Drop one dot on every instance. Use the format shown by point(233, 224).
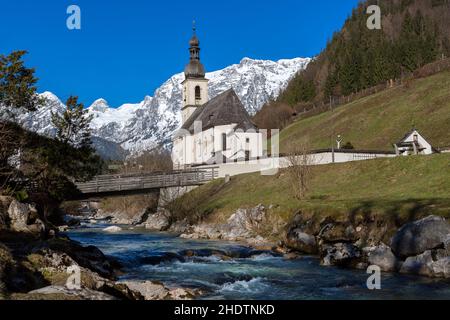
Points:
point(213, 131)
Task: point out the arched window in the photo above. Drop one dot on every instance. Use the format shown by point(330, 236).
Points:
point(197, 93)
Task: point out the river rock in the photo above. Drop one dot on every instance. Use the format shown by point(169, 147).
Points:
point(38, 227)
point(161, 257)
point(431, 263)
point(155, 291)
point(158, 221)
point(419, 236)
point(338, 232)
point(122, 217)
point(383, 257)
point(63, 293)
point(243, 225)
point(245, 220)
point(112, 229)
point(341, 254)
point(298, 240)
point(19, 214)
point(23, 217)
point(180, 227)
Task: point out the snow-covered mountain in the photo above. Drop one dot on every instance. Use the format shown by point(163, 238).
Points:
point(145, 125)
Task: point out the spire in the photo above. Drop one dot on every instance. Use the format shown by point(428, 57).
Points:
point(194, 69)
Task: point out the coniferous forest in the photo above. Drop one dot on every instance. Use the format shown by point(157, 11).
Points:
point(413, 34)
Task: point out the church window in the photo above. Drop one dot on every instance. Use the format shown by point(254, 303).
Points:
point(197, 93)
point(224, 141)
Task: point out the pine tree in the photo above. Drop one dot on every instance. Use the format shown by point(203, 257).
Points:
point(17, 86)
point(73, 126)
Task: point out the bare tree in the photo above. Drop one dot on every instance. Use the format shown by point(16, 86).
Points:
point(157, 160)
point(299, 170)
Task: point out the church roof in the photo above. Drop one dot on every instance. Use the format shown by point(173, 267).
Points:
point(224, 109)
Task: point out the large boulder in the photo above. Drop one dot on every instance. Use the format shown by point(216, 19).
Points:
point(19, 215)
point(298, 240)
point(383, 257)
point(23, 217)
point(89, 257)
point(147, 290)
point(158, 221)
point(431, 263)
point(340, 254)
point(63, 293)
point(245, 222)
point(419, 236)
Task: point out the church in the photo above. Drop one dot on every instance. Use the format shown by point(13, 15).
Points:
point(212, 131)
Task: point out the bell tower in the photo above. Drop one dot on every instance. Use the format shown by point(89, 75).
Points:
point(195, 85)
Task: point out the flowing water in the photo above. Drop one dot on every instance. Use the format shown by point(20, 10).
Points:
point(249, 275)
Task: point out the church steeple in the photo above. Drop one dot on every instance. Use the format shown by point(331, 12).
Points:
point(195, 68)
point(195, 85)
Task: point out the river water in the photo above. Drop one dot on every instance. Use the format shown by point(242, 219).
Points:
point(249, 275)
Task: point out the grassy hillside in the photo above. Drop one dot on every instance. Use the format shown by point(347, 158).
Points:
point(377, 121)
point(403, 187)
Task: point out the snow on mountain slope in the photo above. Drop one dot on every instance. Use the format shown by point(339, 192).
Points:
point(145, 125)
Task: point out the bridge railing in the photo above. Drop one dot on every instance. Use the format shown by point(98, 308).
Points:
point(124, 182)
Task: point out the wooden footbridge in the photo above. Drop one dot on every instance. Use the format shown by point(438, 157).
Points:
point(138, 183)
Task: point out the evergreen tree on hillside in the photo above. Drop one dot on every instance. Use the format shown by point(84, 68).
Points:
point(17, 86)
point(73, 126)
point(46, 167)
point(357, 58)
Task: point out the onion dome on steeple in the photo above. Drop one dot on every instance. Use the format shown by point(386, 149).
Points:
point(195, 68)
point(194, 42)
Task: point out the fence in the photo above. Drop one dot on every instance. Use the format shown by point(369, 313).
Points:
point(118, 183)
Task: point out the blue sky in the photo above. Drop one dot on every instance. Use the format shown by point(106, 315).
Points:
point(127, 49)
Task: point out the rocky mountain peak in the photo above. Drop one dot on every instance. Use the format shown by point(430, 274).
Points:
point(137, 127)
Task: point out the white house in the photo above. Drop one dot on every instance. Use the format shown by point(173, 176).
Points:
point(213, 131)
point(413, 143)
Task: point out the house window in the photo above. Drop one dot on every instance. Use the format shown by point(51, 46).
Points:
point(247, 140)
point(197, 93)
point(416, 138)
point(224, 141)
